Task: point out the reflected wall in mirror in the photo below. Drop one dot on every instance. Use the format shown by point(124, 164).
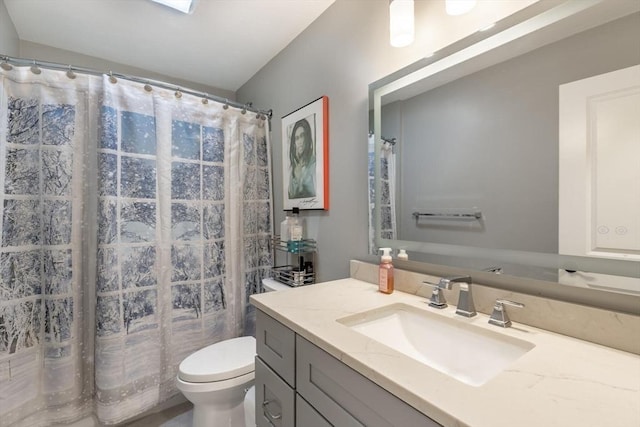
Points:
point(477, 134)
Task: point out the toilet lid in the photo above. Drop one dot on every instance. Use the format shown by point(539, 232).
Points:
point(221, 361)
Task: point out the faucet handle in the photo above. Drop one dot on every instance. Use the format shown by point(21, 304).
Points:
point(499, 315)
point(437, 299)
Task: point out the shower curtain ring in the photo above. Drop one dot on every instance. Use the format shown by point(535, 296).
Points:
point(226, 104)
point(70, 73)
point(205, 99)
point(178, 94)
point(5, 65)
point(35, 69)
point(112, 78)
point(148, 87)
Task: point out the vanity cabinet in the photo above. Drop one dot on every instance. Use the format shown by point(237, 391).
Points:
point(307, 387)
point(275, 373)
point(307, 416)
point(275, 399)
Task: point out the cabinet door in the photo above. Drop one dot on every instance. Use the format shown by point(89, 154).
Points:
point(306, 416)
point(346, 398)
point(275, 400)
point(275, 344)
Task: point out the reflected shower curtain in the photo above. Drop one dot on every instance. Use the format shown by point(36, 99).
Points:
point(135, 225)
point(388, 225)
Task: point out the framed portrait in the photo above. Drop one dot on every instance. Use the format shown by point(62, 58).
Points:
point(305, 156)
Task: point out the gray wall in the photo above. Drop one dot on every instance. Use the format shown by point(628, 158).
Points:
point(8, 35)
point(52, 54)
point(343, 51)
point(491, 140)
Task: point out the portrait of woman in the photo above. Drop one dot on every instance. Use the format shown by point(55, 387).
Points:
point(305, 155)
point(302, 157)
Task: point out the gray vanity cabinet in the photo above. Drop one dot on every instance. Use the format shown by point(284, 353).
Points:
point(306, 416)
point(346, 398)
point(275, 373)
point(307, 387)
point(276, 346)
point(275, 400)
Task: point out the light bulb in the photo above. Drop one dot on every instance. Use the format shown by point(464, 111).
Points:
point(401, 25)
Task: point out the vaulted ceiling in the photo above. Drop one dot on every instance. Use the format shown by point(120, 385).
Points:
point(222, 44)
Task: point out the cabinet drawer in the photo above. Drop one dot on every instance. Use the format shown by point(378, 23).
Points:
point(346, 398)
point(306, 416)
point(275, 344)
point(275, 400)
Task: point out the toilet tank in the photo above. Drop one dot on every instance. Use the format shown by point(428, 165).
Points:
point(271, 285)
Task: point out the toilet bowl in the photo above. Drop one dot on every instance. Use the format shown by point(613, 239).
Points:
point(216, 379)
point(250, 407)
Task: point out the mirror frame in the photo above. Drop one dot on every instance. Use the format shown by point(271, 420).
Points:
point(536, 25)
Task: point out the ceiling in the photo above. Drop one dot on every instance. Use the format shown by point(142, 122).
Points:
point(222, 44)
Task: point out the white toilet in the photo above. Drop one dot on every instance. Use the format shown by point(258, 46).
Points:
point(216, 378)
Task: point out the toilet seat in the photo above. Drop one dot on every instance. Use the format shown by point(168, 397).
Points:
point(220, 362)
point(188, 387)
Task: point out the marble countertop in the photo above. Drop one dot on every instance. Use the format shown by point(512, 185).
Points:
point(562, 381)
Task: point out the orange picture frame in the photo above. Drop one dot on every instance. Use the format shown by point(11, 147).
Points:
point(305, 156)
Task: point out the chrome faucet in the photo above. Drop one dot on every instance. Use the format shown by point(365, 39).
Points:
point(499, 316)
point(437, 299)
point(465, 306)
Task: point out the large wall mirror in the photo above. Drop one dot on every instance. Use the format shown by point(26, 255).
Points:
point(520, 148)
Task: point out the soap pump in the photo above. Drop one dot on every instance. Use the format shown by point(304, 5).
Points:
point(385, 272)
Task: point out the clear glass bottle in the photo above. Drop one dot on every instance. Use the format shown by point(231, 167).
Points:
point(284, 229)
point(296, 231)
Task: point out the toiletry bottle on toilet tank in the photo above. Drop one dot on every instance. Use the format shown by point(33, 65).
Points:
point(284, 229)
point(385, 272)
point(296, 231)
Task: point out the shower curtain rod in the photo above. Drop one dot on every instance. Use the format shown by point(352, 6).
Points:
point(7, 63)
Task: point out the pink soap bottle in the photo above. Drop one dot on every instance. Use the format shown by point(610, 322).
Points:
point(385, 272)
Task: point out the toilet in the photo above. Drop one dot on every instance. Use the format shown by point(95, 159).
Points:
point(218, 379)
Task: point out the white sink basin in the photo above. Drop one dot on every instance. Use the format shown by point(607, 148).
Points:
point(468, 353)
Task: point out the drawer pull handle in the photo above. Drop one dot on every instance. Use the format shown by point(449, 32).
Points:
point(266, 410)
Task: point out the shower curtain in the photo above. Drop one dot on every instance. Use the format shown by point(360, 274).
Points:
point(135, 224)
point(388, 225)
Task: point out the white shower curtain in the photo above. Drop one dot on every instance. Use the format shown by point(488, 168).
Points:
point(135, 224)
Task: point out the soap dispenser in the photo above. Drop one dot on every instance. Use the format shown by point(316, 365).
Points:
point(385, 272)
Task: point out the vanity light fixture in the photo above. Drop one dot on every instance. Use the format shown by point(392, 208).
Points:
point(459, 7)
point(184, 6)
point(401, 25)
